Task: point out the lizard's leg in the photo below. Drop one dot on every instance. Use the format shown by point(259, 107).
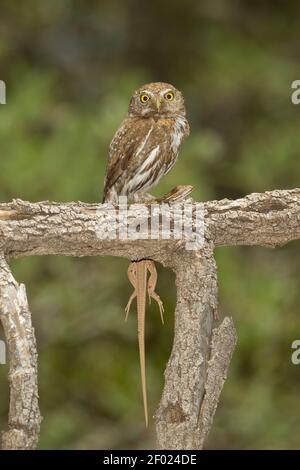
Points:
point(156, 297)
point(127, 308)
point(151, 288)
point(131, 272)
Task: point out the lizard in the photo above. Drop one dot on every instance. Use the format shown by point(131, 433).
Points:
point(138, 276)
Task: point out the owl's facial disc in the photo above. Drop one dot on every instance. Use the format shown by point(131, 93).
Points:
point(156, 103)
point(157, 100)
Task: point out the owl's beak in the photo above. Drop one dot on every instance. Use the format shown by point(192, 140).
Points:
point(158, 104)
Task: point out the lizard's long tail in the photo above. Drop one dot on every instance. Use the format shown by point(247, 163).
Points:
point(141, 286)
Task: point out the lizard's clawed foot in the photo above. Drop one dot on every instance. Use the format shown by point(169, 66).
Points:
point(151, 288)
point(156, 297)
point(127, 308)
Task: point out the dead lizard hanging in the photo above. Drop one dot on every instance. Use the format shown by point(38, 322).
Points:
point(138, 276)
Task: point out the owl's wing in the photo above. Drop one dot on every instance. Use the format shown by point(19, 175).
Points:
point(122, 149)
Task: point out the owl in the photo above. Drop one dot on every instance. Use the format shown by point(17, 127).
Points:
point(146, 145)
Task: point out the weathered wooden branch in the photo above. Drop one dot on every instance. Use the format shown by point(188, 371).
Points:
point(200, 355)
point(266, 219)
point(24, 416)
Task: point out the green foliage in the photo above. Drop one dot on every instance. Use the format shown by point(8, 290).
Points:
point(70, 69)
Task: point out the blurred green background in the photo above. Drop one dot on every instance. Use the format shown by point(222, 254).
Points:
point(70, 69)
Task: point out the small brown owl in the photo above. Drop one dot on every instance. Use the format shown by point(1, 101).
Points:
point(146, 145)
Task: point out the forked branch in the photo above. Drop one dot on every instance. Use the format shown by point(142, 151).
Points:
point(200, 356)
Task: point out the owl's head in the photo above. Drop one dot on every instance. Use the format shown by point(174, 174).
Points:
point(157, 100)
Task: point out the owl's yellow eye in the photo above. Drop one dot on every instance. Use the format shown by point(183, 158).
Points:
point(144, 98)
point(169, 96)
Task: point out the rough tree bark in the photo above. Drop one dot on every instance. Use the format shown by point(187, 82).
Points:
point(201, 354)
point(24, 415)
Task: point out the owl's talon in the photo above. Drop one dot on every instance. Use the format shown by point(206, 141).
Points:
point(143, 198)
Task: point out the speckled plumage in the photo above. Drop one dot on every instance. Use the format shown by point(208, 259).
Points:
point(146, 145)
